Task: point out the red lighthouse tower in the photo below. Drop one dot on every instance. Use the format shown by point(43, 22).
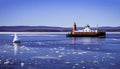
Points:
point(74, 27)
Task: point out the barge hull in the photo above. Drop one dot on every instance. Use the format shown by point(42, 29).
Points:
point(98, 34)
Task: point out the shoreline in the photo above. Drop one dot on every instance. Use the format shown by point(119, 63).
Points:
point(47, 32)
point(34, 33)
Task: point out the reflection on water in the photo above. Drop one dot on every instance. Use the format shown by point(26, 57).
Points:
point(16, 45)
point(73, 40)
point(86, 40)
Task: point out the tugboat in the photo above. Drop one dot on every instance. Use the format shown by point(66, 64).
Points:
point(86, 32)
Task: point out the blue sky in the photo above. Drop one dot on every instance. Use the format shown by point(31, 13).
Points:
point(59, 12)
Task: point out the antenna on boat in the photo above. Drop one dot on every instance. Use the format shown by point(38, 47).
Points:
point(97, 27)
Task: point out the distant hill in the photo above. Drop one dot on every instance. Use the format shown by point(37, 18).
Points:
point(50, 29)
point(32, 29)
point(110, 29)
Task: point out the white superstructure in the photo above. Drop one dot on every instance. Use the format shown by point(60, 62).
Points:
point(86, 29)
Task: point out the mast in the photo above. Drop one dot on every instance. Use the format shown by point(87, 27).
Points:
point(97, 27)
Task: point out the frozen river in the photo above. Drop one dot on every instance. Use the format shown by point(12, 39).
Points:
point(50, 50)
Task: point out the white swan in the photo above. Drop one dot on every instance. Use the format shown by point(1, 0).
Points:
point(16, 39)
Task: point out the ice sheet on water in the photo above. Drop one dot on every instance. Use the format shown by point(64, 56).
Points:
point(51, 35)
point(82, 52)
point(45, 57)
point(115, 39)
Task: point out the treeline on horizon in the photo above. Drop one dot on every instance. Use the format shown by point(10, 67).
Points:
point(50, 29)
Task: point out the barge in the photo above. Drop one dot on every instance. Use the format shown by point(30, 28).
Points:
point(86, 32)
